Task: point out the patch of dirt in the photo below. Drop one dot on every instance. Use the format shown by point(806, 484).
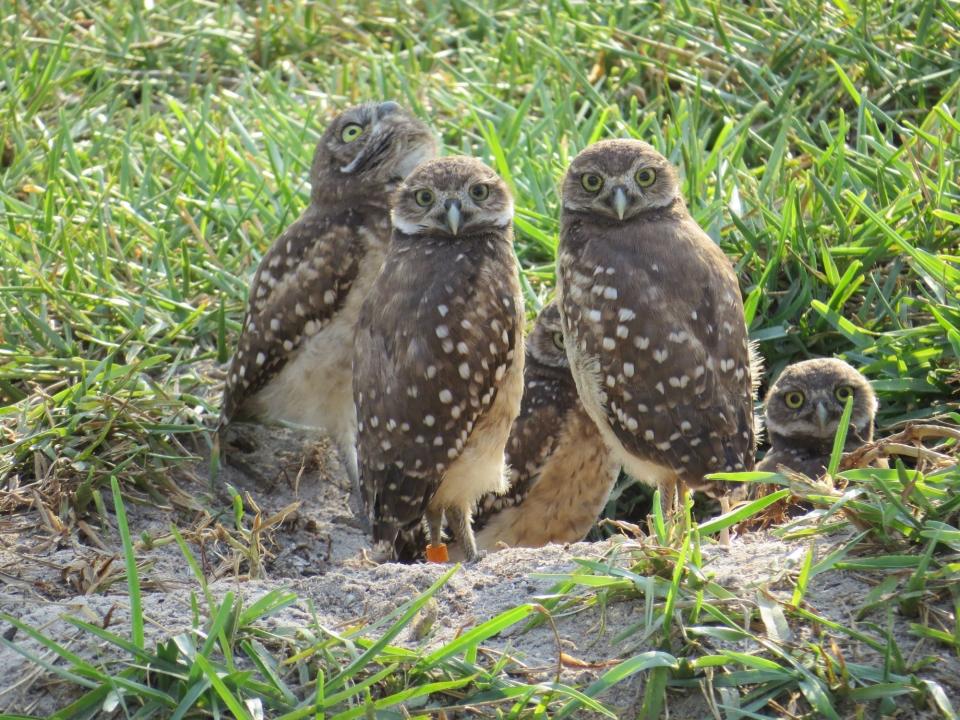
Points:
point(311, 542)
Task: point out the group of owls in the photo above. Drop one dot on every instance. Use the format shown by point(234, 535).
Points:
point(390, 315)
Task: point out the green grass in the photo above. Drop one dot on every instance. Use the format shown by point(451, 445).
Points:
point(150, 152)
point(685, 624)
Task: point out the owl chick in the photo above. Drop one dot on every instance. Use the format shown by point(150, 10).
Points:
point(653, 321)
point(561, 471)
point(293, 357)
point(803, 410)
point(438, 363)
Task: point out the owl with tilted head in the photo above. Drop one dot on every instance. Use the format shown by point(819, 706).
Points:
point(802, 414)
point(292, 362)
point(561, 470)
point(439, 357)
point(653, 322)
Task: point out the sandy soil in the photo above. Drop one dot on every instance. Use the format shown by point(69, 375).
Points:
point(315, 546)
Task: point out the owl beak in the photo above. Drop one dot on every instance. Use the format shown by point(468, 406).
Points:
point(619, 201)
point(822, 416)
point(453, 215)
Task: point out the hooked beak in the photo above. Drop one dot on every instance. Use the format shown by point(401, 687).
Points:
point(453, 217)
point(822, 416)
point(619, 201)
point(352, 166)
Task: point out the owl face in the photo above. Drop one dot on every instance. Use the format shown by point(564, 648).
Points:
point(370, 144)
point(618, 179)
point(452, 197)
point(807, 400)
point(545, 342)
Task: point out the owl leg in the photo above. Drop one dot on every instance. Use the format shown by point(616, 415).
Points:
point(725, 533)
point(435, 523)
point(668, 495)
point(348, 458)
point(460, 525)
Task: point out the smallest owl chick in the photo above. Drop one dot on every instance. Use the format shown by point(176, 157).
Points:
point(561, 471)
point(803, 410)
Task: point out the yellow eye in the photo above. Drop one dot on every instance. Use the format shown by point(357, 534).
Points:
point(350, 132)
point(794, 399)
point(558, 340)
point(645, 177)
point(480, 192)
point(591, 182)
point(423, 197)
point(843, 393)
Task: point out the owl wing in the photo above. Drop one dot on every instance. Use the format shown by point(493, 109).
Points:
point(301, 283)
point(548, 395)
point(429, 359)
point(668, 345)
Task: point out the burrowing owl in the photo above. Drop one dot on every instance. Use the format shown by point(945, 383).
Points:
point(653, 321)
point(561, 471)
point(803, 410)
point(292, 362)
point(439, 354)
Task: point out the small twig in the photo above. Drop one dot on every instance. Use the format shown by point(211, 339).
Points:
point(897, 444)
point(556, 636)
point(920, 453)
point(92, 535)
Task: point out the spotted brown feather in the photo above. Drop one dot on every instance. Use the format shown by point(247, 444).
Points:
point(431, 386)
point(653, 321)
point(561, 470)
point(293, 358)
point(675, 382)
point(317, 251)
point(548, 394)
point(438, 358)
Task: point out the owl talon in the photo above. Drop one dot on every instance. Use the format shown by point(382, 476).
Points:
point(723, 541)
point(477, 557)
point(236, 440)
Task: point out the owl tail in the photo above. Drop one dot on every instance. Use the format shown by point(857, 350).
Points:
point(399, 502)
point(410, 545)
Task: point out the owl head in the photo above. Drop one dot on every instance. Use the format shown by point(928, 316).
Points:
point(807, 401)
point(545, 342)
point(370, 145)
point(452, 197)
point(618, 179)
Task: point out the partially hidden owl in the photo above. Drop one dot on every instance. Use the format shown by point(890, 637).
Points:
point(561, 470)
point(802, 414)
point(653, 322)
point(438, 363)
point(293, 357)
